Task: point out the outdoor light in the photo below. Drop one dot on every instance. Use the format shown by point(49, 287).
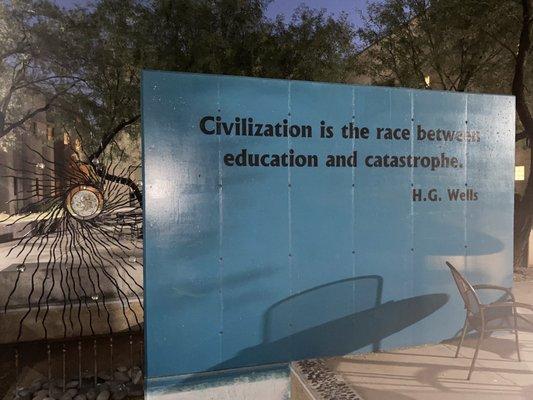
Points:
point(519, 173)
point(427, 80)
point(84, 202)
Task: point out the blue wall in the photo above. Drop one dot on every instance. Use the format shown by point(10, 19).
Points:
point(256, 265)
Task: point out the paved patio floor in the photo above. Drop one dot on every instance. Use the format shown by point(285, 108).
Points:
point(432, 372)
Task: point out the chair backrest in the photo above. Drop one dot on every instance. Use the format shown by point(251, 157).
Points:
point(469, 295)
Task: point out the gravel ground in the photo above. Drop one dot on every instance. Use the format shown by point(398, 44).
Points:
point(124, 378)
point(324, 382)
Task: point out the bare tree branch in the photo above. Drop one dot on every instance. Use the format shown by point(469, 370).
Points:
point(109, 136)
point(521, 136)
point(47, 78)
point(500, 42)
point(107, 139)
point(35, 112)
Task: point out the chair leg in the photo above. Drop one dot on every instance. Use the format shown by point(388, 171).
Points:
point(516, 334)
point(463, 333)
point(479, 340)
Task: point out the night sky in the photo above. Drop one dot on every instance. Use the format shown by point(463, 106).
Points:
point(352, 7)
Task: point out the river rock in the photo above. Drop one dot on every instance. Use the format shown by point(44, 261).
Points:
point(120, 395)
point(121, 377)
point(66, 396)
point(136, 375)
point(105, 375)
point(72, 384)
point(109, 386)
point(55, 392)
point(24, 394)
point(132, 370)
point(122, 368)
point(38, 397)
point(48, 384)
point(103, 395)
point(91, 394)
point(36, 386)
point(41, 393)
point(80, 397)
point(72, 392)
point(135, 390)
point(103, 386)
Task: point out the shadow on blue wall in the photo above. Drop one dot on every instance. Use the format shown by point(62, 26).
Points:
point(291, 330)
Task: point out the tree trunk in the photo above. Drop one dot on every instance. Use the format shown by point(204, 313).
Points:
point(524, 211)
point(523, 223)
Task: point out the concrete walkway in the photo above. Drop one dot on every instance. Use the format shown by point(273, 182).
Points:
point(432, 372)
point(55, 291)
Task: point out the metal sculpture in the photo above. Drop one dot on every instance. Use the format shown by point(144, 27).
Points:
point(81, 210)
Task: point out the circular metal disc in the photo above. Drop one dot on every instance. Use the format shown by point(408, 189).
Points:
point(84, 202)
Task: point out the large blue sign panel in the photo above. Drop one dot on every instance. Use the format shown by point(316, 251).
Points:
point(288, 220)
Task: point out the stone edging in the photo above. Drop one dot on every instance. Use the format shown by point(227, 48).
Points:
point(323, 382)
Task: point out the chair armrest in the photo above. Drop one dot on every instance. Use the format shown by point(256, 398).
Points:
point(495, 287)
point(510, 304)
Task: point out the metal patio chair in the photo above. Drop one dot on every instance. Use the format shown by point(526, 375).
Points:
point(486, 318)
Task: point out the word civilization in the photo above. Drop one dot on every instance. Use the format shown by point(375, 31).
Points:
point(210, 125)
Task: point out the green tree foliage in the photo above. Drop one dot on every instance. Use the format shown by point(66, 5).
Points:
point(234, 37)
point(28, 83)
point(312, 46)
point(462, 45)
point(104, 47)
point(458, 42)
point(224, 36)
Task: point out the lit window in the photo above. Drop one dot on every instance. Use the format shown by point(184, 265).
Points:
point(519, 173)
